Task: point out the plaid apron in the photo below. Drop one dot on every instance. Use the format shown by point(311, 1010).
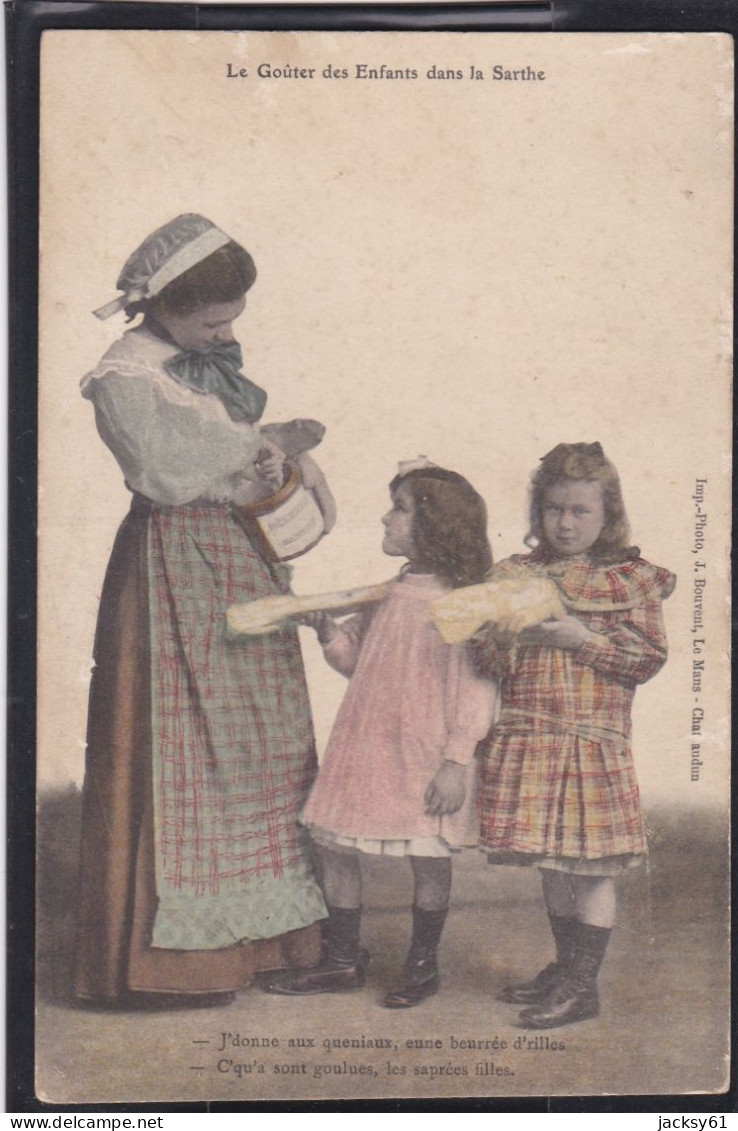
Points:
point(233, 746)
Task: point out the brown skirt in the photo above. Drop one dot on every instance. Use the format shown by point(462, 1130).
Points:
point(117, 897)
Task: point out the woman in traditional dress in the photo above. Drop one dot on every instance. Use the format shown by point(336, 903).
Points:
point(194, 872)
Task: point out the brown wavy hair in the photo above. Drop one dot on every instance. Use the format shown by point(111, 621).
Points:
point(588, 463)
point(225, 276)
point(449, 527)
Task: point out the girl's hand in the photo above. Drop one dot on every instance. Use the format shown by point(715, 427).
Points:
point(567, 632)
point(447, 790)
point(270, 463)
point(323, 623)
point(501, 637)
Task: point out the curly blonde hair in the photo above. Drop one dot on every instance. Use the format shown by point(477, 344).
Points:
point(588, 463)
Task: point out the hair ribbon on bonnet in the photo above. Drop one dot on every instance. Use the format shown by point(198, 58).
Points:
point(422, 463)
point(594, 449)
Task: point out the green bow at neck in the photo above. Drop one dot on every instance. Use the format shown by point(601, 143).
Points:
point(218, 371)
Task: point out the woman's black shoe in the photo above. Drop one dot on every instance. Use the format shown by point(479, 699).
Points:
point(332, 976)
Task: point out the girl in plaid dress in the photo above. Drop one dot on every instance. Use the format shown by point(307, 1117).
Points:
point(398, 774)
point(558, 781)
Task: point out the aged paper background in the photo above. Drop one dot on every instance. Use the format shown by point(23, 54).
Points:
point(468, 268)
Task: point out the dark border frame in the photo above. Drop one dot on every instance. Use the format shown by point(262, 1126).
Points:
point(25, 21)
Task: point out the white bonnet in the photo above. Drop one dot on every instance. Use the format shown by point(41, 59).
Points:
point(163, 256)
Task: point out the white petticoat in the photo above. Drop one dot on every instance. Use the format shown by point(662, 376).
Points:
point(434, 846)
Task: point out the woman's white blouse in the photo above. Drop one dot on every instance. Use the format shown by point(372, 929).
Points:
point(173, 444)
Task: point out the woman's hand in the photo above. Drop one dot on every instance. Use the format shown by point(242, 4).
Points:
point(270, 463)
point(323, 623)
point(568, 632)
point(447, 790)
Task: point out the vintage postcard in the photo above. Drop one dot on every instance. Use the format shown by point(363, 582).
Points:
point(330, 322)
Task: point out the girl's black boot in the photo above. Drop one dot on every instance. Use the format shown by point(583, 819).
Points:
point(574, 998)
point(342, 967)
point(421, 969)
point(564, 930)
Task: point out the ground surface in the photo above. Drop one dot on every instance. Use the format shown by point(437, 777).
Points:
point(664, 989)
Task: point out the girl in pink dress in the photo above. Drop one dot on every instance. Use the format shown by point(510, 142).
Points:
point(398, 777)
point(558, 784)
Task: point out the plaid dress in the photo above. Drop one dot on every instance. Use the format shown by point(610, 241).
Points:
point(558, 781)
